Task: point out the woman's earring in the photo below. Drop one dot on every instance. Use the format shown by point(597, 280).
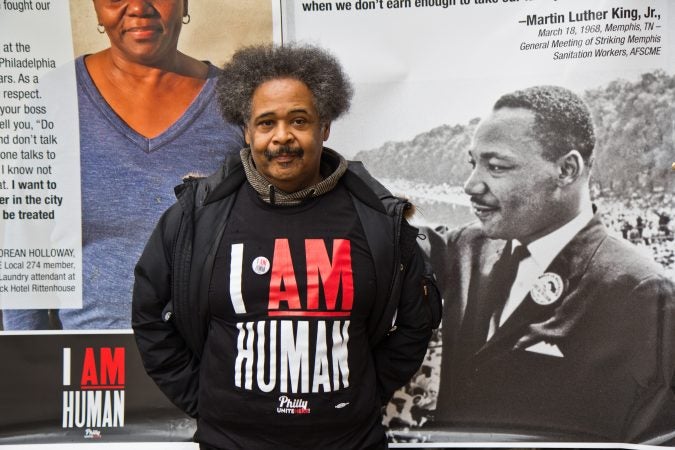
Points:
point(100, 28)
point(186, 19)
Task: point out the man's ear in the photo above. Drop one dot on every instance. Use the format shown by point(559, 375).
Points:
point(326, 131)
point(247, 139)
point(570, 167)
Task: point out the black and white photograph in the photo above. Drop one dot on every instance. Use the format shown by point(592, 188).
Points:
point(490, 99)
point(530, 144)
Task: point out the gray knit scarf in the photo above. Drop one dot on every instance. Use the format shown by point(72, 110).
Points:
point(268, 193)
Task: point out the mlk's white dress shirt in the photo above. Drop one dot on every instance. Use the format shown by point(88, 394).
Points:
point(542, 252)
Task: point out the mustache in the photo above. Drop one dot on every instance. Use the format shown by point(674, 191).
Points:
point(284, 150)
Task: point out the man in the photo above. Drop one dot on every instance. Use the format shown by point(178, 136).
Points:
point(275, 301)
point(551, 327)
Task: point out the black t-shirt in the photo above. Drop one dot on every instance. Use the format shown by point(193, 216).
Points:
point(287, 360)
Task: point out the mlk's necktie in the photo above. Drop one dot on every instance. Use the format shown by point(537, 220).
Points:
point(506, 275)
point(480, 309)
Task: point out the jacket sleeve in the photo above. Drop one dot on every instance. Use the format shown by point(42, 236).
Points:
point(165, 354)
point(399, 355)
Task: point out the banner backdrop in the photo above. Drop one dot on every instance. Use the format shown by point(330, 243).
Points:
point(81, 381)
point(425, 73)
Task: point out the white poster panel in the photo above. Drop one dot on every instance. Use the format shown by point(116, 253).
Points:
point(420, 64)
point(40, 237)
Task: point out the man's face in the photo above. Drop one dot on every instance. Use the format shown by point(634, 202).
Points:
point(514, 190)
point(285, 134)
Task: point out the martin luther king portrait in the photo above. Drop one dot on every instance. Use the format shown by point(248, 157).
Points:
point(551, 325)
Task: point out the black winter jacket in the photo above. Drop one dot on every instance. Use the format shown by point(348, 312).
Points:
point(170, 310)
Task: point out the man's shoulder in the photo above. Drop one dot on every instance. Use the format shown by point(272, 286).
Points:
point(466, 236)
point(198, 190)
point(623, 261)
point(461, 247)
point(472, 232)
point(370, 191)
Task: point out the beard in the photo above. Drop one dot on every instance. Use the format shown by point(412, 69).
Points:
point(284, 150)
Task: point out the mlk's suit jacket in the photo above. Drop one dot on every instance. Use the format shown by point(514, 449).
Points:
point(614, 325)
